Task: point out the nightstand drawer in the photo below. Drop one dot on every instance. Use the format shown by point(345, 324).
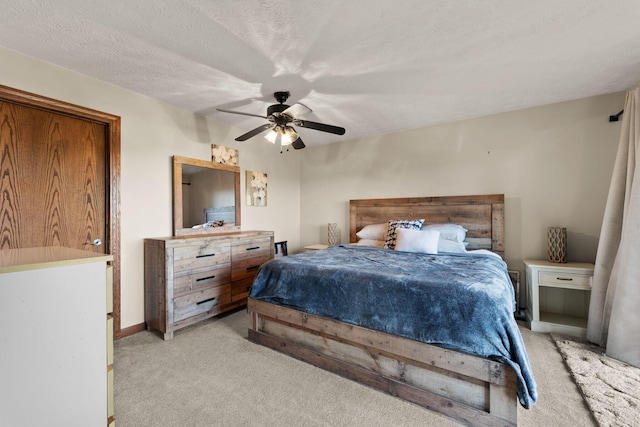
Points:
point(565, 279)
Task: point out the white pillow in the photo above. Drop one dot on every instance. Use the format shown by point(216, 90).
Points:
point(370, 242)
point(417, 241)
point(397, 224)
point(373, 232)
point(454, 232)
point(450, 246)
point(484, 252)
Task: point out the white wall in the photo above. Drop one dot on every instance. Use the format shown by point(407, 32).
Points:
point(553, 164)
point(151, 133)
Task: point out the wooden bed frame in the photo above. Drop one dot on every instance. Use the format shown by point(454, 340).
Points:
point(466, 388)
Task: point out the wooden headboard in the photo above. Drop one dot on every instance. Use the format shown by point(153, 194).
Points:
point(225, 213)
point(481, 215)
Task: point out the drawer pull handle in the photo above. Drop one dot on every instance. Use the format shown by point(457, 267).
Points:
point(253, 248)
point(568, 279)
point(207, 300)
point(205, 278)
point(204, 256)
point(252, 268)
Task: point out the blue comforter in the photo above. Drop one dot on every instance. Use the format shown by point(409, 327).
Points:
point(463, 302)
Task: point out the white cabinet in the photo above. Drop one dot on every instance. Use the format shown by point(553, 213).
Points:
point(558, 296)
point(53, 363)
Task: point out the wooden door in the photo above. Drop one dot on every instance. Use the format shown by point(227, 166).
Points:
point(53, 180)
point(60, 178)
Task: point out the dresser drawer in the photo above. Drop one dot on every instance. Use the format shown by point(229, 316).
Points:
point(254, 248)
point(110, 331)
point(109, 289)
point(200, 302)
point(564, 279)
point(200, 256)
point(110, 396)
point(199, 279)
point(247, 268)
point(240, 288)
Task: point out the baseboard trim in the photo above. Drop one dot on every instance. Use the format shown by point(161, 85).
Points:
point(131, 330)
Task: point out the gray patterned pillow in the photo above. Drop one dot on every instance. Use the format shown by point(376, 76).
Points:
point(412, 224)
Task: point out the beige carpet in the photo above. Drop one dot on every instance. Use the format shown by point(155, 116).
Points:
point(211, 375)
point(610, 387)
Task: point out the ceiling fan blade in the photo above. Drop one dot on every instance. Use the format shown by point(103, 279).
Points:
point(254, 132)
point(240, 112)
point(297, 110)
point(320, 126)
point(298, 144)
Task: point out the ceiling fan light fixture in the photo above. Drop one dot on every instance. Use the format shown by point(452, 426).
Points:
point(289, 136)
point(279, 117)
point(272, 136)
point(284, 136)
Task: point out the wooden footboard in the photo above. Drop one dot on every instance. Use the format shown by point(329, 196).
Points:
point(469, 389)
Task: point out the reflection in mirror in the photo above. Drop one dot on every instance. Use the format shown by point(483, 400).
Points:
point(206, 197)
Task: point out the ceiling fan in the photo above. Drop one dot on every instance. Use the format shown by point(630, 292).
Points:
point(281, 119)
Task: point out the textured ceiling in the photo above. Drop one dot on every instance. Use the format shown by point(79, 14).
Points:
point(370, 66)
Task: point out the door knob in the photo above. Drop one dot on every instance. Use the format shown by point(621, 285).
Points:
point(96, 242)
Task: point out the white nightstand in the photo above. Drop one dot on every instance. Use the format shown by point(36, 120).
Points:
point(315, 247)
point(558, 296)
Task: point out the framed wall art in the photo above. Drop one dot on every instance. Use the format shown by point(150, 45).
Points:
point(256, 184)
point(224, 155)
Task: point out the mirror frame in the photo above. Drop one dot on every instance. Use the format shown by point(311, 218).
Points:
point(178, 226)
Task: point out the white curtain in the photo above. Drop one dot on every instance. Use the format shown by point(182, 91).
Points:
point(614, 312)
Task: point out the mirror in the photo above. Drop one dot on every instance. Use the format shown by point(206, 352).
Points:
point(205, 193)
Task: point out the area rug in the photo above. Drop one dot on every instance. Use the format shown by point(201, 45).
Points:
point(610, 387)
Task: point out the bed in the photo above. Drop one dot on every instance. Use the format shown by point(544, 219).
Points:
point(428, 364)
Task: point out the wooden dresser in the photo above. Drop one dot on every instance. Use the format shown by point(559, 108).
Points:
point(191, 278)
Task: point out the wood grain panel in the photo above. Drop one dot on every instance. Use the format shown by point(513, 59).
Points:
point(53, 179)
point(10, 186)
